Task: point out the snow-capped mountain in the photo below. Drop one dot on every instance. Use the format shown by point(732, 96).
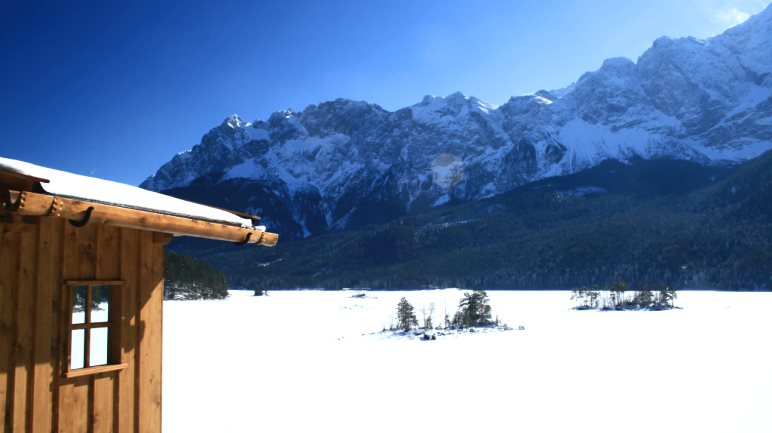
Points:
point(344, 163)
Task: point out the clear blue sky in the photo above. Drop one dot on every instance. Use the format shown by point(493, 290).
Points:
point(114, 89)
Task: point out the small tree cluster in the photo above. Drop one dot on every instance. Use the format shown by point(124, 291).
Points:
point(616, 297)
point(473, 310)
point(588, 298)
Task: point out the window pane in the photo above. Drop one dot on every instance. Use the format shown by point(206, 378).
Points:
point(76, 359)
point(79, 304)
point(100, 304)
point(98, 350)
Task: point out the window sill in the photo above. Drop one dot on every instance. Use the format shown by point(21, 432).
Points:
point(94, 370)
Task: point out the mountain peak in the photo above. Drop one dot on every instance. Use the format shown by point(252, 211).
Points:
point(457, 96)
point(234, 122)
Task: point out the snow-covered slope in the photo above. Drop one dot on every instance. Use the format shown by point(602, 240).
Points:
point(345, 163)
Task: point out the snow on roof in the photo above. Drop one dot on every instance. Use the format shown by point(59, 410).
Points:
point(71, 185)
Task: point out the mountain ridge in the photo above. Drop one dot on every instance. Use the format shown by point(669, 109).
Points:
point(343, 164)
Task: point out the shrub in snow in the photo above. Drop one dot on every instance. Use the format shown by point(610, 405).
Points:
point(427, 317)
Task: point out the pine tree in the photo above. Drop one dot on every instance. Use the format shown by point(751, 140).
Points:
point(578, 295)
point(666, 297)
point(618, 289)
point(406, 319)
point(643, 298)
point(474, 309)
point(596, 295)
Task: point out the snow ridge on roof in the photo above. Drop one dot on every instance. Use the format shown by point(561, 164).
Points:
point(76, 186)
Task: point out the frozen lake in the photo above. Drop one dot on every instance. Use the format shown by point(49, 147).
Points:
point(299, 362)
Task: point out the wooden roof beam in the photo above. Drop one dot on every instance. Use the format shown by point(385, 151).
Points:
point(44, 205)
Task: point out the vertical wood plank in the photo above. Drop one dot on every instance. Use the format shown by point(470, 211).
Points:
point(24, 345)
point(151, 310)
point(45, 317)
point(159, 246)
point(102, 395)
point(87, 264)
point(107, 267)
point(73, 393)
point(57, 323)
point(73, 405)
point(86, 241)
point(125, 404)
point(9, 263)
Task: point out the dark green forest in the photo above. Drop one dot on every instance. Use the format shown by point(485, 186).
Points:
point(649, 222)
point(188, 278)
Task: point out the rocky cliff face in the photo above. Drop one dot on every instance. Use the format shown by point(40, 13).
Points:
point(343, 163)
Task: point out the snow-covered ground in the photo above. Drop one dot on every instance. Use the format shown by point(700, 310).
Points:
point(299, 362)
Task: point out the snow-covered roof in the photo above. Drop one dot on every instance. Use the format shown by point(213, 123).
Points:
point(62, 183)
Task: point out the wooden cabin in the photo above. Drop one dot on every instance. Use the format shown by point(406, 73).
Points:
point(81, 297)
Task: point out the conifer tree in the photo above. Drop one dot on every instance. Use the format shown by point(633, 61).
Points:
point(406, 319)
point(643, 298)
point(666, 297)
point(474, 309)
point(618, 289)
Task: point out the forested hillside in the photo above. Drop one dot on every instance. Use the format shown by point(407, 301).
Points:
point(651, 222)
point(188, 278)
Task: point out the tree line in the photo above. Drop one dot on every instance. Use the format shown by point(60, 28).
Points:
point(618, 296)
point(188, 278)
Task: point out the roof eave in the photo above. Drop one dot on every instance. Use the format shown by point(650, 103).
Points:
point(45, 205)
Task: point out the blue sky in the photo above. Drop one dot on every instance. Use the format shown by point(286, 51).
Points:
point(114, 89)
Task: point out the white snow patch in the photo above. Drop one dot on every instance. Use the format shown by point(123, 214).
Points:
point(298, 362)
point(488, 190)
point(589, 142)
point(444, 198)
point(257, 134)
point(542, 100)
point(248, 169)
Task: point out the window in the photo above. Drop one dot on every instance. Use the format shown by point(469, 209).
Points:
point(93, 327)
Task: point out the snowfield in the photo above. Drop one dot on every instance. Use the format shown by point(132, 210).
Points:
point(308, 361)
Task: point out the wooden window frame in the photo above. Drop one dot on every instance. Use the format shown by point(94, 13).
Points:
point(113, 325)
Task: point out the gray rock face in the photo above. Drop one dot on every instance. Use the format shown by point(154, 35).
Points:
point(344, 163)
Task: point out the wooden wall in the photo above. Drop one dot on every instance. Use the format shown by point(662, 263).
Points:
point(36, 256)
